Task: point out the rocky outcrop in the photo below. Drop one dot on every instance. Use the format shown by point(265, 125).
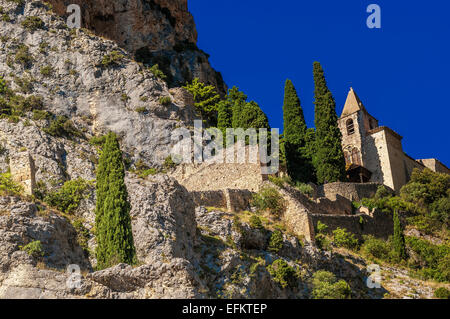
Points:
point(155, 31)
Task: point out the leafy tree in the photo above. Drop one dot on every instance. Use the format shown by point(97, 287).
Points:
point(326, 286)
point(299, 166)
point(282, 273)
point(330, 162)
point(399, 239)
point(113, 221)
point(206, 99)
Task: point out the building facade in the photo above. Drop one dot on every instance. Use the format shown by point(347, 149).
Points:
point(374, 153)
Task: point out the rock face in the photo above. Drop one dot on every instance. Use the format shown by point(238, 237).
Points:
point(155, 31)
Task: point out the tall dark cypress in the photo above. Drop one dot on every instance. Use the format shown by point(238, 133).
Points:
point(224, 118)
point(329, 160)
point(113, 221)
point(298, 165)
point(399, 238)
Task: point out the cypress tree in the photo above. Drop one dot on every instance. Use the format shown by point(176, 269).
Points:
point(329, 161)
point(113, 222)
point(237, 99)
point(298, 165)
point(224, 118)
point(399, 239)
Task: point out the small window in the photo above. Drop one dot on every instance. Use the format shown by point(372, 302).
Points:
point(350, 127)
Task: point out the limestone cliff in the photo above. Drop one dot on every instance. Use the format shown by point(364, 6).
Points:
point(154, 31)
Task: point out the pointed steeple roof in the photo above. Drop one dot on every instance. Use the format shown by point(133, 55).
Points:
point(353, 104)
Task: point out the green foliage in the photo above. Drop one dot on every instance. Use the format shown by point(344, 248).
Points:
point(23, 56)
point(97, 140)
point(83, 235)
point(305, 189)
point(205, 100)
point(282, 273)
point(32, 23)
point(442, 293)
point(8, 186)
point(113, 221)
point(329, 161)
point(343, 238)
point(321, 228)
point(237, 100)
point(142, 110)
point(399, 239)
point(25, 85)
point(255, 222)
point(33, 249)
point(41, 115)
point(377, 248)
point(61, 126)
point(169, 163)
point(299, 166)
point(276, 241)
point(268, 198)
point(157, 72)
point(432, 261)
point(165, 100)
point(112, 59)
point(326, 286)
point(224, 117)
point(46, 70)
point(68, 198)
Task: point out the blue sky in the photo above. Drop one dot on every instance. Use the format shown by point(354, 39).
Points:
point(401, 72)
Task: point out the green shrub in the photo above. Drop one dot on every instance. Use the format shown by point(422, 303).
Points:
point(433, 260)
point(306, 189)
point(8, 186)
point(255, 222)
point(46, 70)
point(68, 198)
point(442, 293)
point(165, 100)
point(124, 97)
point(278, 181)
point(276, 241)
point(97, 140)
point(148, 172)
point(321, 228)
point(33, 249)
point(169, 163)
point(82, 234)
point(157, 72)
point(113, 58)
point(41, 115)
point(33, 23)
point(25, 85)
point(23, 56)
point(62, 127)
point(376, 248)
point(326, 286)
point(342, 238)
point(268, 198)
point(282, 273)
point(142, 110)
